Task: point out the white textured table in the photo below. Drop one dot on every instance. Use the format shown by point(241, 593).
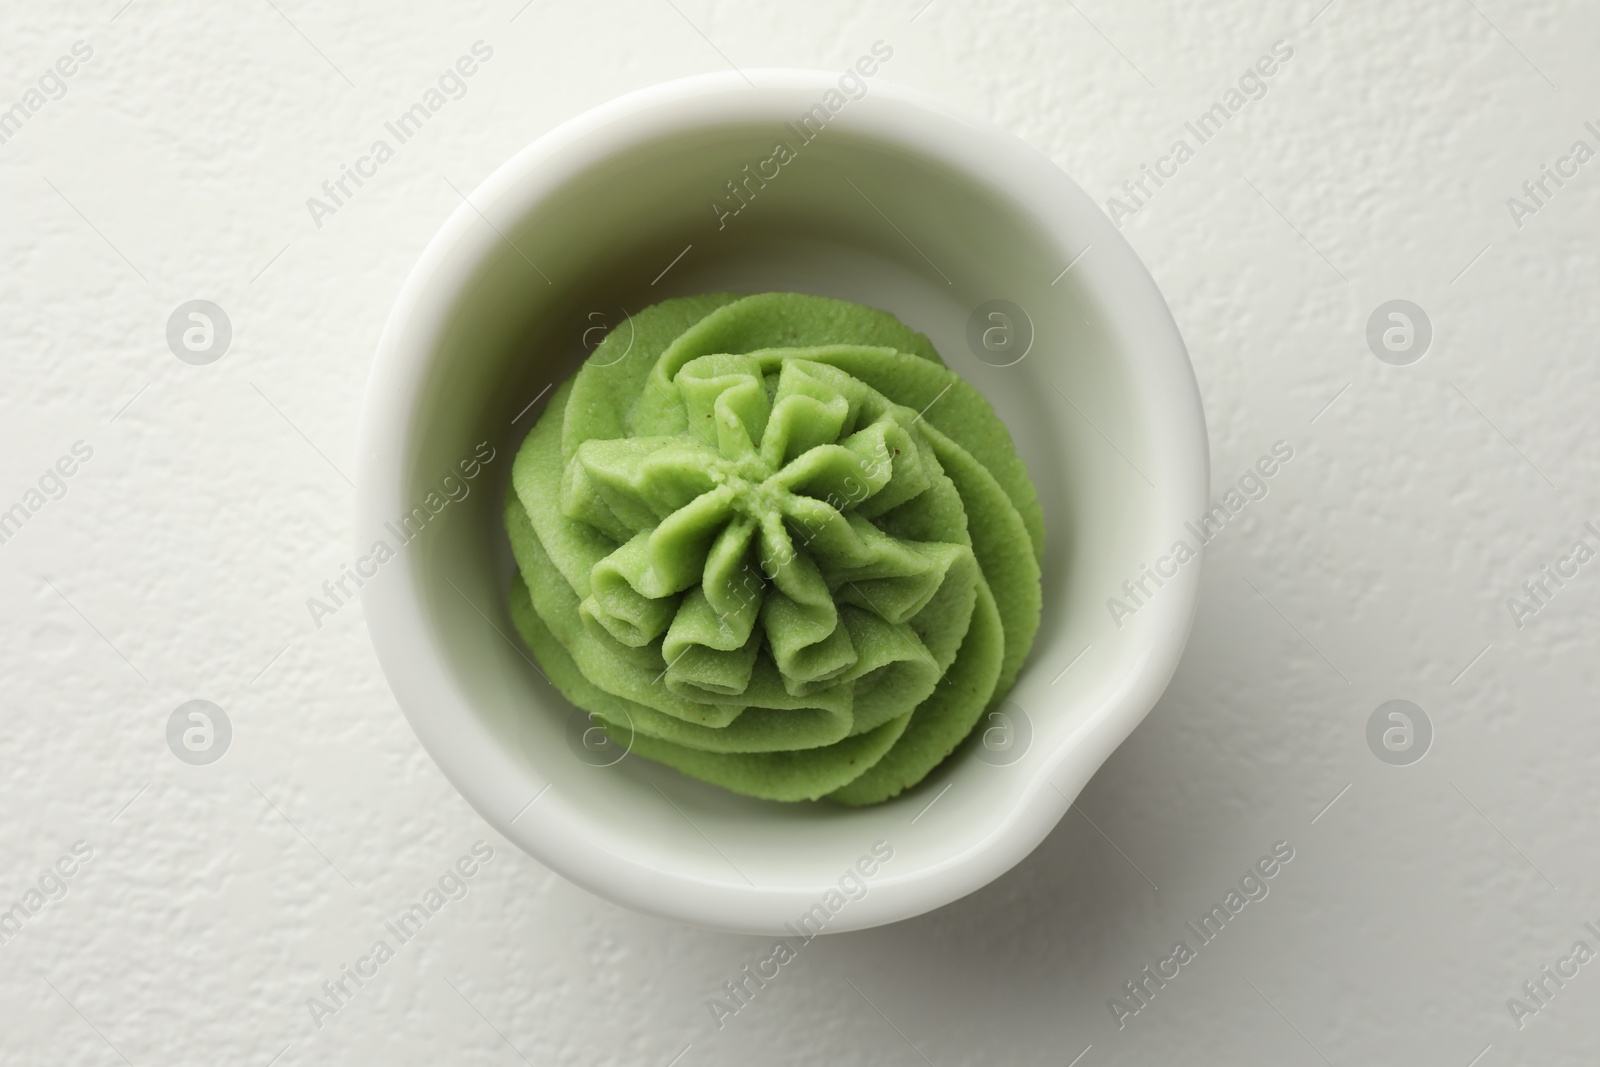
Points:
point(206, 904)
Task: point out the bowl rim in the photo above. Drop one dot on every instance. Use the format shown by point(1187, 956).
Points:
point(496, 785)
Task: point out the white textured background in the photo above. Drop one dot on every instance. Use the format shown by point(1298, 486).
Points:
point(177, 565)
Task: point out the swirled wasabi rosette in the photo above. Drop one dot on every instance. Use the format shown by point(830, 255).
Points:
point(775, 543)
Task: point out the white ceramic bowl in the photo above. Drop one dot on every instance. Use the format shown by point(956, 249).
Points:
point(896, 203)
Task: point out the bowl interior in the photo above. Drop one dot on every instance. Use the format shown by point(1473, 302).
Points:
point(891, 205)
